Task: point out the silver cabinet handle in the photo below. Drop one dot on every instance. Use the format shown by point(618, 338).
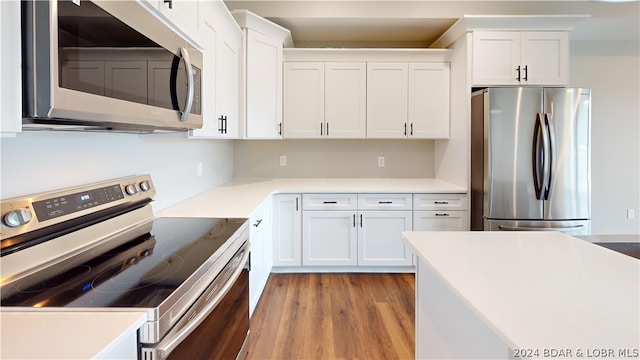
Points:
point(190, 85)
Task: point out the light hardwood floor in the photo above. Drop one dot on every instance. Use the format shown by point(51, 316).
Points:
point(335, 316)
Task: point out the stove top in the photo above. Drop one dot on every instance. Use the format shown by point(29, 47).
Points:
point(142, 272)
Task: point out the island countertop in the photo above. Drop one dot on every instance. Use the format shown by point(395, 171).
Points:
point(540, 294)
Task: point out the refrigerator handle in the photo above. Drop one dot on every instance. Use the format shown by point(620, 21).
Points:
point(550, 156)
point(535, 157)
point(546, 157)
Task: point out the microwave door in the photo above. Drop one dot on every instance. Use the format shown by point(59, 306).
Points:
point(110, 63)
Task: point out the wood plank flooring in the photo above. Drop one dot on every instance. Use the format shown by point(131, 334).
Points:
point(335, 316)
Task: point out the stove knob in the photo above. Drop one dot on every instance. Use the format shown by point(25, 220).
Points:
point(145, 185)
point(132, 260)
point(131, 189)
point(17, 217)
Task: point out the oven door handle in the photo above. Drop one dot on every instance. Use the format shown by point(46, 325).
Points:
point(211, 295)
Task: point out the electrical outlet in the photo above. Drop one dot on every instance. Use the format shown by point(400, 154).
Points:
point(199, 167)
point(283, 160)
point(631, 214)
point(380, 161)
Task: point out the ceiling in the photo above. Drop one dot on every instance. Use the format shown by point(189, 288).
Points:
point(418, 23)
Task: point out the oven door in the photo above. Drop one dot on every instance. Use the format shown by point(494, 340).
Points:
point(110, 64)
point(217, 325)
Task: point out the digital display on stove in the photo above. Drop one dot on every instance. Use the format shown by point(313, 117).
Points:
point(68, 204)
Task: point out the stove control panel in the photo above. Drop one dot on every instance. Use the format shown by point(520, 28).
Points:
point(21, 215)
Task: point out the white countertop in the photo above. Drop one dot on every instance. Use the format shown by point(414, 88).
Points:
point(540, 289)
point(64, 335)
point(240, 197)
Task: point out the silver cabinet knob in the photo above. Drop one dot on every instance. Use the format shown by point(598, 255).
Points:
point(17, 217)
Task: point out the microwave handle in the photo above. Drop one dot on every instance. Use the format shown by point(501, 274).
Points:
point(190, 84)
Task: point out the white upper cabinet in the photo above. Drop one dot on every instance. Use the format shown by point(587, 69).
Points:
point(303, 99)
point(325, 100)
point(428, 108)
point(345, 99)
point(221, 39)
point(408, 100)
point(264, 86)
point(183, 14)
point(10, 70)
point(387, 88)
point(520, 57)
point(261, 76)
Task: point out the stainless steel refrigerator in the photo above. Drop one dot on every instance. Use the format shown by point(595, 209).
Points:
point(530, 159)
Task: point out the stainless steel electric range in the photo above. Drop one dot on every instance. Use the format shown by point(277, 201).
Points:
point(99, 246)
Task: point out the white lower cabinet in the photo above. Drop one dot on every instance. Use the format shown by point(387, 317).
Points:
point(440, 212)
point(329, 238)
point(356, 229)
point(261, 249)
point(380, 238)
point(353, 230)
point(287, 230)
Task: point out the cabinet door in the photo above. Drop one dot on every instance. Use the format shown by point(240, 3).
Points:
point(264, 86)
point(345, 99)
point(287, 230)
point(329, 238)
point(210, 124)
point(380, 238)
point(443, 220)
point(496, 57)
point(428, 108)
point(545, 54)
point(183, 14)
point(387, 100)
point(227, 82)
point(261, 258)
point(10, 71)
point(304, 100)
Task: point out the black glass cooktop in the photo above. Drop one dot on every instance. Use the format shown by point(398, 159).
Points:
point(140, 273)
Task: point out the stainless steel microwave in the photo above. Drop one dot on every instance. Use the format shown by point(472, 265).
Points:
point(106, 65)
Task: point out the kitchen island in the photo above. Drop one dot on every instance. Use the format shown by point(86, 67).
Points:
point(506, 295)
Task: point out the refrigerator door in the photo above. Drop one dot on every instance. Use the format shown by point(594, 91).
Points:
point(567, 111)
point(509, 175)
point(570, 227)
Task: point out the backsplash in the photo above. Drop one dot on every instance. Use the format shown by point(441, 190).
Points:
point(34, 162)
point(334, 158)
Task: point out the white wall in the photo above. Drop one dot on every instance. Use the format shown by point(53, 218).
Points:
point(334, 158)
point(612, 71)
point(42, 161)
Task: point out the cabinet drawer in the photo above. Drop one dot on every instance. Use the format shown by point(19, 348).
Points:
point(441, 220)
point(440, 202)
point(329, 201)
point(385, 202)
